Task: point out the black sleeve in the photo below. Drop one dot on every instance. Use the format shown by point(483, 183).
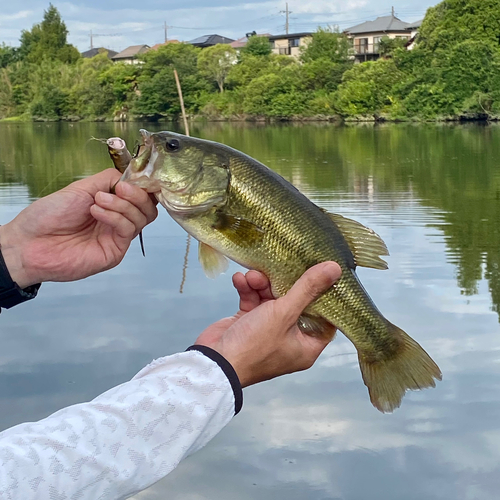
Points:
point(228, 370)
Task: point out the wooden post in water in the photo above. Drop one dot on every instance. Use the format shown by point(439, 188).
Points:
point(179, 89)
point(186, 129)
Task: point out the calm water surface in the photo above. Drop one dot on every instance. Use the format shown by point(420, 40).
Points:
point(433, 194)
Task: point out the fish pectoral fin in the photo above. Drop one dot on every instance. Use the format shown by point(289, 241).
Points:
point(316, 326)
point(212, 261)
point(238, 229)
point(365, 244)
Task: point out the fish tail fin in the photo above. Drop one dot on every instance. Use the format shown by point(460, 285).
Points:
point(410, 367)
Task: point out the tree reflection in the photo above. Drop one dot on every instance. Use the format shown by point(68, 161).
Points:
point(452, 168)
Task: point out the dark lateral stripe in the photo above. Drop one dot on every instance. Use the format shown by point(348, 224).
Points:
point(228, 370)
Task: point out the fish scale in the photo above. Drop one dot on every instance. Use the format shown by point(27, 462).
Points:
point(238, 208)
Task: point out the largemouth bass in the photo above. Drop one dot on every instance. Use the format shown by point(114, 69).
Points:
point(238, 208)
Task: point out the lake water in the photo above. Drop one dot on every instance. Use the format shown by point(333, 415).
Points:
point(431, 191)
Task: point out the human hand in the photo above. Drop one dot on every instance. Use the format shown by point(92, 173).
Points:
point(262, 341)
point(76, 232)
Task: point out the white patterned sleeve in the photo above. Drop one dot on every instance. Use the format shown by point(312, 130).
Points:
point(125, 439)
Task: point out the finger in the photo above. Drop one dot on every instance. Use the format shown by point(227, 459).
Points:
point(116, 204)
point(139, 198)
point(124, 229)
point(308, 288)
point(103, 181)
point(260, 282)
point(249, 298)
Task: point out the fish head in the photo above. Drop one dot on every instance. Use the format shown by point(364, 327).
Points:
point(187, 174)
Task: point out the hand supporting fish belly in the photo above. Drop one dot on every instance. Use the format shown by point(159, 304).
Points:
point(237, 208)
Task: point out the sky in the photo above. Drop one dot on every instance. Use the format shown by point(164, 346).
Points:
point(118, 24)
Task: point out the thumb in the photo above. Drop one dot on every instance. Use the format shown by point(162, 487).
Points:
point(309, 287)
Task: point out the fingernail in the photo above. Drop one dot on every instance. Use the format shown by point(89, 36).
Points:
point(97, 208)
point(106, 197)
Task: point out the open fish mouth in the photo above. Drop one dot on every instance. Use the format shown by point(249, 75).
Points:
point(141, 166)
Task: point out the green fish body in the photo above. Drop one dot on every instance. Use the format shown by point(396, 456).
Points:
point(238, 208)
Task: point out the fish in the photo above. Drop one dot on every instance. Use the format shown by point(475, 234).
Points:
point(239, 209)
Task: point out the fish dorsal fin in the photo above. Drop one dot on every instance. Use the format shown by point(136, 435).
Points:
point(365, 244)
point(212, 261)
point(238, 229)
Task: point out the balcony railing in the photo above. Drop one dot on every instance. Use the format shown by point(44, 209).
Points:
point(369, 48)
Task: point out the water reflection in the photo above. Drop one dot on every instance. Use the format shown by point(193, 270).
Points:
point(432, 193)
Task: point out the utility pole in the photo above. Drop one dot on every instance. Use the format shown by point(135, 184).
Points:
point(287, 13)
point(393, 14)
point(166, 27)
point(91, 41)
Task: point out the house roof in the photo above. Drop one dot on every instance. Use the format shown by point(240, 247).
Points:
point(131, 52)
point(415, 25)
point(384, 24)
point(158, 45)
point(93, 52)
point(291, 35)
point(241, 42)
point(209, 40)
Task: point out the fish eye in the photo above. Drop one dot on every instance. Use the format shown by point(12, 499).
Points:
point(173, 145)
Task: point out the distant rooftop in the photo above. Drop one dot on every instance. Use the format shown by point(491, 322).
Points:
point(209, 40)
point(415, 25)
point(241, 42)
point(291, 35)
point(131, 52)
point(383, 24)
point(158, 45)
point(93, 52)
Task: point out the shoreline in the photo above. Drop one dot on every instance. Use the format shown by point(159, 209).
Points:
point(334, 119)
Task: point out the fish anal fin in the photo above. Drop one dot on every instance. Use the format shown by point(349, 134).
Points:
point(365, 244)
point(316, 326)
point(212, 261)
point(238, 229)
point(388, 379)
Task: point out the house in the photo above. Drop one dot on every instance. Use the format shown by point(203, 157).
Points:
point(158, 45)
point(129, 55)
point(210, 40)
point(289, 45)
point(413, 29)
point(93, 52)
point(241, 42)
point(366, 36)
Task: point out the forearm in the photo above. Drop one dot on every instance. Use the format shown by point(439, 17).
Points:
point(124, 440)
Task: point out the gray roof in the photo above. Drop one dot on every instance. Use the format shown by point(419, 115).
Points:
point(209, 40)
point(131, 52)
point(291, 35)
point(415, 25)
point(383, 24)
point(93, 52)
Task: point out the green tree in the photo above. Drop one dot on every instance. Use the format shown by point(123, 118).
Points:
point(48, 40)
point(454, 21)
point(387, 46)
point(368, 88)
point(157, 89)
point(257, 45)
point(8, 55)
point(216, 62)
point(327, 43)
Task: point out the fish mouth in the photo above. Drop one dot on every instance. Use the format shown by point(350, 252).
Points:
point(141, 167)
